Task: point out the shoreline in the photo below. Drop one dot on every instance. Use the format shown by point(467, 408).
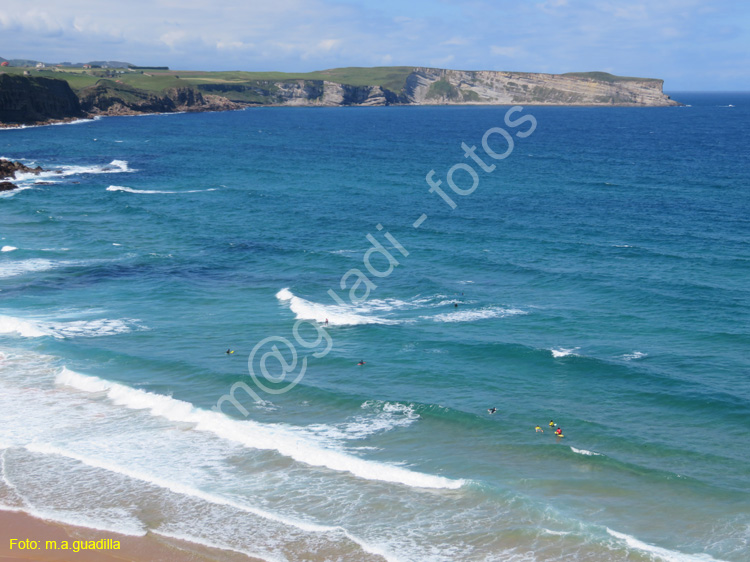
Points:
point(20, 525)
point(94, 117)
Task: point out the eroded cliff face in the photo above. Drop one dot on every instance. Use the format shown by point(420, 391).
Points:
point(304, 93)
point(434, 86)
point(437, 86)
point(110, 98)
point(36, 100)
point(30, 100)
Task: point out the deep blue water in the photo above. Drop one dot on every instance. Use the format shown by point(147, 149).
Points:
point(601, 278)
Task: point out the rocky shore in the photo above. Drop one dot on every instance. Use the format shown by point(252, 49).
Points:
point(8, 170)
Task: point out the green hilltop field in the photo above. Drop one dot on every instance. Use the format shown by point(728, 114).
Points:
point(238, 85)
point(158, 80)
point(109, 89)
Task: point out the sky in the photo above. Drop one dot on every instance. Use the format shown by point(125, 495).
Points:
point(690, 44)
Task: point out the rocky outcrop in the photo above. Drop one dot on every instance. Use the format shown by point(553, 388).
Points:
point(38, 100)
point(25, 99)
point(8, 170)
point(435, 86)
point(303, 93)
point(107, 97)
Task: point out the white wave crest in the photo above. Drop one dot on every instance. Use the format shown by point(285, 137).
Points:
point(154, 191)
point(381, 417)
point(24, 328)
point(286, 440)
point(558, 352)
point(585, 452)
point(663, 553)
point(472, 315)
point(633, 356)
point(187, 490)
point(116, 522)
point(16, 268)
point(335, 314)
point(114, 167)
point(29, 328)
point(8, 248)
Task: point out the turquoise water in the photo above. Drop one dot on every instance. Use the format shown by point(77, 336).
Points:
point(600, 273)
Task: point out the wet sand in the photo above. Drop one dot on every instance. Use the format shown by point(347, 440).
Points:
point(150, 548)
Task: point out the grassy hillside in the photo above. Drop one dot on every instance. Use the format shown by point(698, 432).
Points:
point(80, 78)
point(392, 78)
point(605, 77)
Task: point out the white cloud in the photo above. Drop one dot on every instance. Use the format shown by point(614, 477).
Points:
point(505, 51)
point(633, 37)
point(456, 41)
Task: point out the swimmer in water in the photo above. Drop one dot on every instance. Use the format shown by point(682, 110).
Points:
point(492, 410)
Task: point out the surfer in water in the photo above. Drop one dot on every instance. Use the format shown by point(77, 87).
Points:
point(230, 351)
point(538, 429)
point(361, 363)
point(326, 321)
point(552, 423)
point(558, 432)
point(492, 410)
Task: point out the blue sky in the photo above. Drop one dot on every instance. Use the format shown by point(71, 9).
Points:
point(691, 44)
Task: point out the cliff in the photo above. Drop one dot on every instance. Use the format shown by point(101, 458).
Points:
point(434, 86)
point(303, 93)
point(35, 99)
point(108, 97)
point(31, 100)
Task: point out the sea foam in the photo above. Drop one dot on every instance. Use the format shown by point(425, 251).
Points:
point(335, 314)
point(286, 440)
point(558, 352)
point(379, 417)
point(474, 315)
point(585, 452)
point(661, 553)
point(154, 191)
point(22, 267)
point(114, 167)
point(29, 328)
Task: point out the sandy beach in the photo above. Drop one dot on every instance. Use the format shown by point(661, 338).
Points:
point(151, 548)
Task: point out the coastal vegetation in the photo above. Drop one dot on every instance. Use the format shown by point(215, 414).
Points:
point(123, 89)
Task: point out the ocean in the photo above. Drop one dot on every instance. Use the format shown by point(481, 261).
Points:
point(595, 278)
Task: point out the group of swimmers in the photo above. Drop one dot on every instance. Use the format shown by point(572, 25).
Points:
point(552, 424)
point(558, 432)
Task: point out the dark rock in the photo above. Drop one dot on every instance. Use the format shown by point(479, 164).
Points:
point(7, 186)
point(111, 98)
point(8, 169)
point(25, 99)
